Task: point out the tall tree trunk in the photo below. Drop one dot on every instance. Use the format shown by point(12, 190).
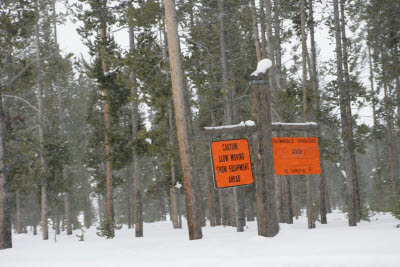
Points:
point(344, 119)
point(67, 205)
point(129, 195)
point(305, 111)
point(237, 219)
point(278, 44)
point(225, 195)
point(279, 198)
point(263, 31)
point(180, 119)
point(41, 141)
point(99, 207)
point(315, 86)
point(354, 176)
point(210, 196)
point(107, 128)
point(219, 216)
point(375, 120)
point(293, 199)
point(86, 212)
point(398, 97)
point(260, 98)
point(271, 48)
point(18, 217)
point(174, 193)
point(5, 210)
point(137, 195)
point(255, 30)
point(57, 224)
point(389, 138)
point(198, 191)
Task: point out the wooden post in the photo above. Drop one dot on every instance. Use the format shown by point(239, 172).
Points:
point(267, 220)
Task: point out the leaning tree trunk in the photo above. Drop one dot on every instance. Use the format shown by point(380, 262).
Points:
point(315, 86)
point(180, 119)
point(174, 193)
point(356, 191)
point(344, 119)
point(137, 194)
point(41, 140)
point(305, 112)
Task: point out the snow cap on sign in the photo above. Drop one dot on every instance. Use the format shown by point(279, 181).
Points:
point(262, 66)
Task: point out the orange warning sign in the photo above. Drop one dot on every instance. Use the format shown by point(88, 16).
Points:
point(296, 155)
point(231, 163)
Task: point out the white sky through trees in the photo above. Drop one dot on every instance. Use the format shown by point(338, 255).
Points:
point(70, 42)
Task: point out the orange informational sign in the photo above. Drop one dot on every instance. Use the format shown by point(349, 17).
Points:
point(231, 163)
point(296, 155)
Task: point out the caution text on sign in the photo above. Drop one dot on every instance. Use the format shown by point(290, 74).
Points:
point(296, 155)
point(231, 163)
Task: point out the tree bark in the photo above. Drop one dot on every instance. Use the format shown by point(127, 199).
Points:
point(236, 217)
point(137, 183)
point(263, 30)
point(107, 128)
point(255, 30)
point(354, 175)
point(18, 217)
point(315, 86)
point(344, 119)
point(180, 119)
point(286, 201)
point(210, 197)
point(278, 49)
point(375, 126)
point(219, 216)
point(5, 209)
point(260, 98)
point(271, 47)
point(389, 141)
point(305, 111)
point(67, 205)
point(174, 193)
point(41, 141)
point(293, 198)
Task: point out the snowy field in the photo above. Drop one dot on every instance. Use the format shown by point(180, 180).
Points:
point(375, 243)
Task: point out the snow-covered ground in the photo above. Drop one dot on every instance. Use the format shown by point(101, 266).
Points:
point(375, 243)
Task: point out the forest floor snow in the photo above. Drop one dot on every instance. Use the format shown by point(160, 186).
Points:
point(375, 243)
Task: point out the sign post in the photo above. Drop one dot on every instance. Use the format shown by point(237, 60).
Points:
point(231, 163)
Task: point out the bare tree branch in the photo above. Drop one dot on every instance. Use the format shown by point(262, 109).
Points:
point(12, 80)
